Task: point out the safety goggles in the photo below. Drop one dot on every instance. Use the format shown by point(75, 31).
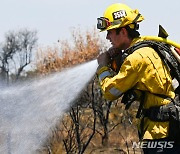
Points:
point(104, 23)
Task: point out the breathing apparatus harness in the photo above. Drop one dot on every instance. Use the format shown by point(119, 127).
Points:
point(165, 53)
point(171, 111)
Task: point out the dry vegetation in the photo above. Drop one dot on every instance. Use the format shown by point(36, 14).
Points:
point(92, 124)
point(85, 47)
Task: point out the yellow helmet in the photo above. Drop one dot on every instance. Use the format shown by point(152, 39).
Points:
point(119, 15)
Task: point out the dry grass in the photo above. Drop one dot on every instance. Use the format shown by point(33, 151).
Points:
point(85, 47)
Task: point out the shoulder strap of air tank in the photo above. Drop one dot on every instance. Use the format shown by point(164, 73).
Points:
point(163, 51)
point(137, 46)
point(159, 48)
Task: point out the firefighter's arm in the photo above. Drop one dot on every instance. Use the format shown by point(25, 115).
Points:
point(114, 86)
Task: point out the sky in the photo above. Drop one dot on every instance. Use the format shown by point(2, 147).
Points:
point(55, 19)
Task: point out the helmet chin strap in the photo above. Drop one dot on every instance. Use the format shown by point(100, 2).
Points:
point(134, 23)
point(134, 26)
point(137, 17)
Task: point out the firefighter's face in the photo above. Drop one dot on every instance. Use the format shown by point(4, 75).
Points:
point(118, 40)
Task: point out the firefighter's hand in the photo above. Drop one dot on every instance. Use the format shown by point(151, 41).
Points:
point(104, 59)
point(113, 52)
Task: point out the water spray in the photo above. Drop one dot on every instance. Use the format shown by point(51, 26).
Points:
point(28, 110)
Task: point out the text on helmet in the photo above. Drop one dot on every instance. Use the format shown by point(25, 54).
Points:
point(119, 14)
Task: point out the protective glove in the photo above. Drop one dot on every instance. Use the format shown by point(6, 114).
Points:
point(107, 57)
point(104, 59)
point(128, 98)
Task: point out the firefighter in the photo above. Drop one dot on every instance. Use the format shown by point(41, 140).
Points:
point(143, 71)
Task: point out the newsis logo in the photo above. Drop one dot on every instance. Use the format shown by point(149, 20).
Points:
point(153, 144)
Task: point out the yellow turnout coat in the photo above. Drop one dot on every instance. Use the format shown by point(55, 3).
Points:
point(142, 70)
